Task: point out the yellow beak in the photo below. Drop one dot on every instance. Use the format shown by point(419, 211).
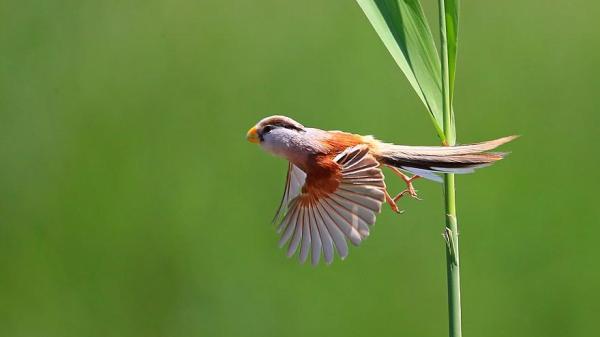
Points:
point(252, 136)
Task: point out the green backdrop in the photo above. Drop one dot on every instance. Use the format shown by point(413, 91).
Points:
point(131, 204)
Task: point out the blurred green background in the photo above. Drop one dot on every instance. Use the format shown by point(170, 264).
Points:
point(131, 204)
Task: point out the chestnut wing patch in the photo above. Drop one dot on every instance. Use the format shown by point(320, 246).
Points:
point(319, 223)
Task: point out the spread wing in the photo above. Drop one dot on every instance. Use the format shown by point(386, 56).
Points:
point(320, 222)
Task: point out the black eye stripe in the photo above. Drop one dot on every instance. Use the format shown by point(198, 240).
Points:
point(287, 126)
point(267, 128)
point(291, 127)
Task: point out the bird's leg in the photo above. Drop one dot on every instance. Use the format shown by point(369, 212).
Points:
point(410, 189)
point(392, 202)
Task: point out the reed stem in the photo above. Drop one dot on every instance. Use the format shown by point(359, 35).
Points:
point(451, 228)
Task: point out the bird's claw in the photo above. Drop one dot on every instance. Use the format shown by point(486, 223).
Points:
point(392, 203)
point(410, 191)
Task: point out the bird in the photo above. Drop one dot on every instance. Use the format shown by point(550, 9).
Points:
point(335, 186)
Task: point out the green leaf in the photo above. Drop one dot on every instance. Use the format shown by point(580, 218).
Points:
point(451, 8)
point(448, 41)
point(403, 28)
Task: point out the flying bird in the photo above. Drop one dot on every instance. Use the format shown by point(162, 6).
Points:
point(335, 186)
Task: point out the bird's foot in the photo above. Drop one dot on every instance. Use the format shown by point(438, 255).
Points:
point(410, 189)
point(392, 203)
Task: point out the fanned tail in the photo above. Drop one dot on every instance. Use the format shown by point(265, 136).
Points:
point(426, 161)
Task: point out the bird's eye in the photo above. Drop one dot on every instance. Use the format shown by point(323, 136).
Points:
point(267, 128)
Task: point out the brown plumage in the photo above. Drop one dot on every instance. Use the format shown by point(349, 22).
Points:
point(335, 186)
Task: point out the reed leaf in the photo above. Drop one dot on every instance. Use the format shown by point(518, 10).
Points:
point(451, 9)
point(403, 28)
point(450, 35)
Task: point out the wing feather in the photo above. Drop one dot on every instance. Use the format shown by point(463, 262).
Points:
point(315, 236)
point(293, 185)
point(346, 228)
point(334, 230)
point(320, 222)
point(326, 240)
point(349, 212)
point(297, 234)
point(367, 201)
point(287, 218)
point(306, 237)
point(367, 215)
point(289, 230)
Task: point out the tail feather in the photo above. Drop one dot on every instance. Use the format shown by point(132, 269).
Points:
point(428, 160)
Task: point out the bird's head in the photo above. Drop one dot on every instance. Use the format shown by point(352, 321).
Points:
point(283, 136)
point(272, 128)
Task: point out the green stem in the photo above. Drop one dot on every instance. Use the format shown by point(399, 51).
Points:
point(451, 229)
point(452, 258)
